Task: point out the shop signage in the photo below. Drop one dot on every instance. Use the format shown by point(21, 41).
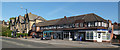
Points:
point(101, 29)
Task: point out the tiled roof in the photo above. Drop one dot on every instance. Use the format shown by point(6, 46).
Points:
point(33, 17)
point(21, 19)
point(40, 18)
point(69, 20)
point(116, 26)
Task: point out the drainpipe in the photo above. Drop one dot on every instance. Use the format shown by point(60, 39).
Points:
point(62, 35)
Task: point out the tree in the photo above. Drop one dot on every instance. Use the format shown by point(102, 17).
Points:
point(6, 31)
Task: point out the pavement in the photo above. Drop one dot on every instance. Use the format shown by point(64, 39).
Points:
point(37, 43)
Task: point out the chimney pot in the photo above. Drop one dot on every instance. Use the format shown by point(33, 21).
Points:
point(65, 17)
point(30, 13)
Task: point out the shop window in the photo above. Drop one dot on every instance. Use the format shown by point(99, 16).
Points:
point(77, 25)
point(73, 25)
point(66, 35)
point(87, 35)
point(95, 35)
point(81, 24)
point(104, 36)
point(67, 26)
point(90, 35)
point(108, 36)
point(70, 25)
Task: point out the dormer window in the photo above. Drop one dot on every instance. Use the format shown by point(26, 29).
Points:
point(103, 24)
point(77, 25)
point(81, 24)
point(89, 24)
point(96, 23)
point(99, 23)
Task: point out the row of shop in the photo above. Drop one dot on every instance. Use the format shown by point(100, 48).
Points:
point(98, 35)
point(87, 27)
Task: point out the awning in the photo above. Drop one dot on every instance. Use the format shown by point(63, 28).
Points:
point(47, 31)
point(51, 31)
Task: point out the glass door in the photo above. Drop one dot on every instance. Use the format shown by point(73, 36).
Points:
point(99, 37)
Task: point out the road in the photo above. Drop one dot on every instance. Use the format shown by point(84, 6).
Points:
point(16, 43)
point(8, 42)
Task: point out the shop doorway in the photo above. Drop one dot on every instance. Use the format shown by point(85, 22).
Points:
point(57, 36)
point(99, 37)
point(82, 35)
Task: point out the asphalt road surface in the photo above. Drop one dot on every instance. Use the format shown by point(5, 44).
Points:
point(16, 43)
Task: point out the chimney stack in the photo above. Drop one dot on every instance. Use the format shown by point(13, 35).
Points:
point(30, 13)
point(65, 17)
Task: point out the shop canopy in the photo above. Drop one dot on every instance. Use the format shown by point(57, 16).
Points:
point(50, 31)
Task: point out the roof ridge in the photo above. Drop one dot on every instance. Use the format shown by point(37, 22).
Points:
point(72, 16)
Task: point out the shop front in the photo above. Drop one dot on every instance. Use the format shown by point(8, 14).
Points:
point(46, 35)
point(63, 35)
point(99, 35)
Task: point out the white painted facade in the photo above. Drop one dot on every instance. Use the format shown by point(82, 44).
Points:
point(94, 35)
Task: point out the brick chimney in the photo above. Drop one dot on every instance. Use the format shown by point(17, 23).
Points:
point(65, 17)
point(30, 13)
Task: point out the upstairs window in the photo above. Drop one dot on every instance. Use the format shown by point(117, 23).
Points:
point(81, 24)
point(89, 24)
point(77, 25)
point(99, 23)
point(70, 25)
point(96, 23)
point(73, 25)
point(92, 24)
point(103, 24)
point(54, 27)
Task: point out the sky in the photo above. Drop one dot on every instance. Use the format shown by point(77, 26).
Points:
point(55, 10)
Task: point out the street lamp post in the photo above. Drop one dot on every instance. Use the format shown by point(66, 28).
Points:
point(26, 14)
point(25, 9)
point(25, 19)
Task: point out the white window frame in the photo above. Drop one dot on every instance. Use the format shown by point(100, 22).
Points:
point(96, 23)
point(89, 35)
point(89, 24)
point(99, 23)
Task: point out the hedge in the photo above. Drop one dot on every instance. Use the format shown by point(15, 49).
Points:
point(7, 33)
point(24, 34)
